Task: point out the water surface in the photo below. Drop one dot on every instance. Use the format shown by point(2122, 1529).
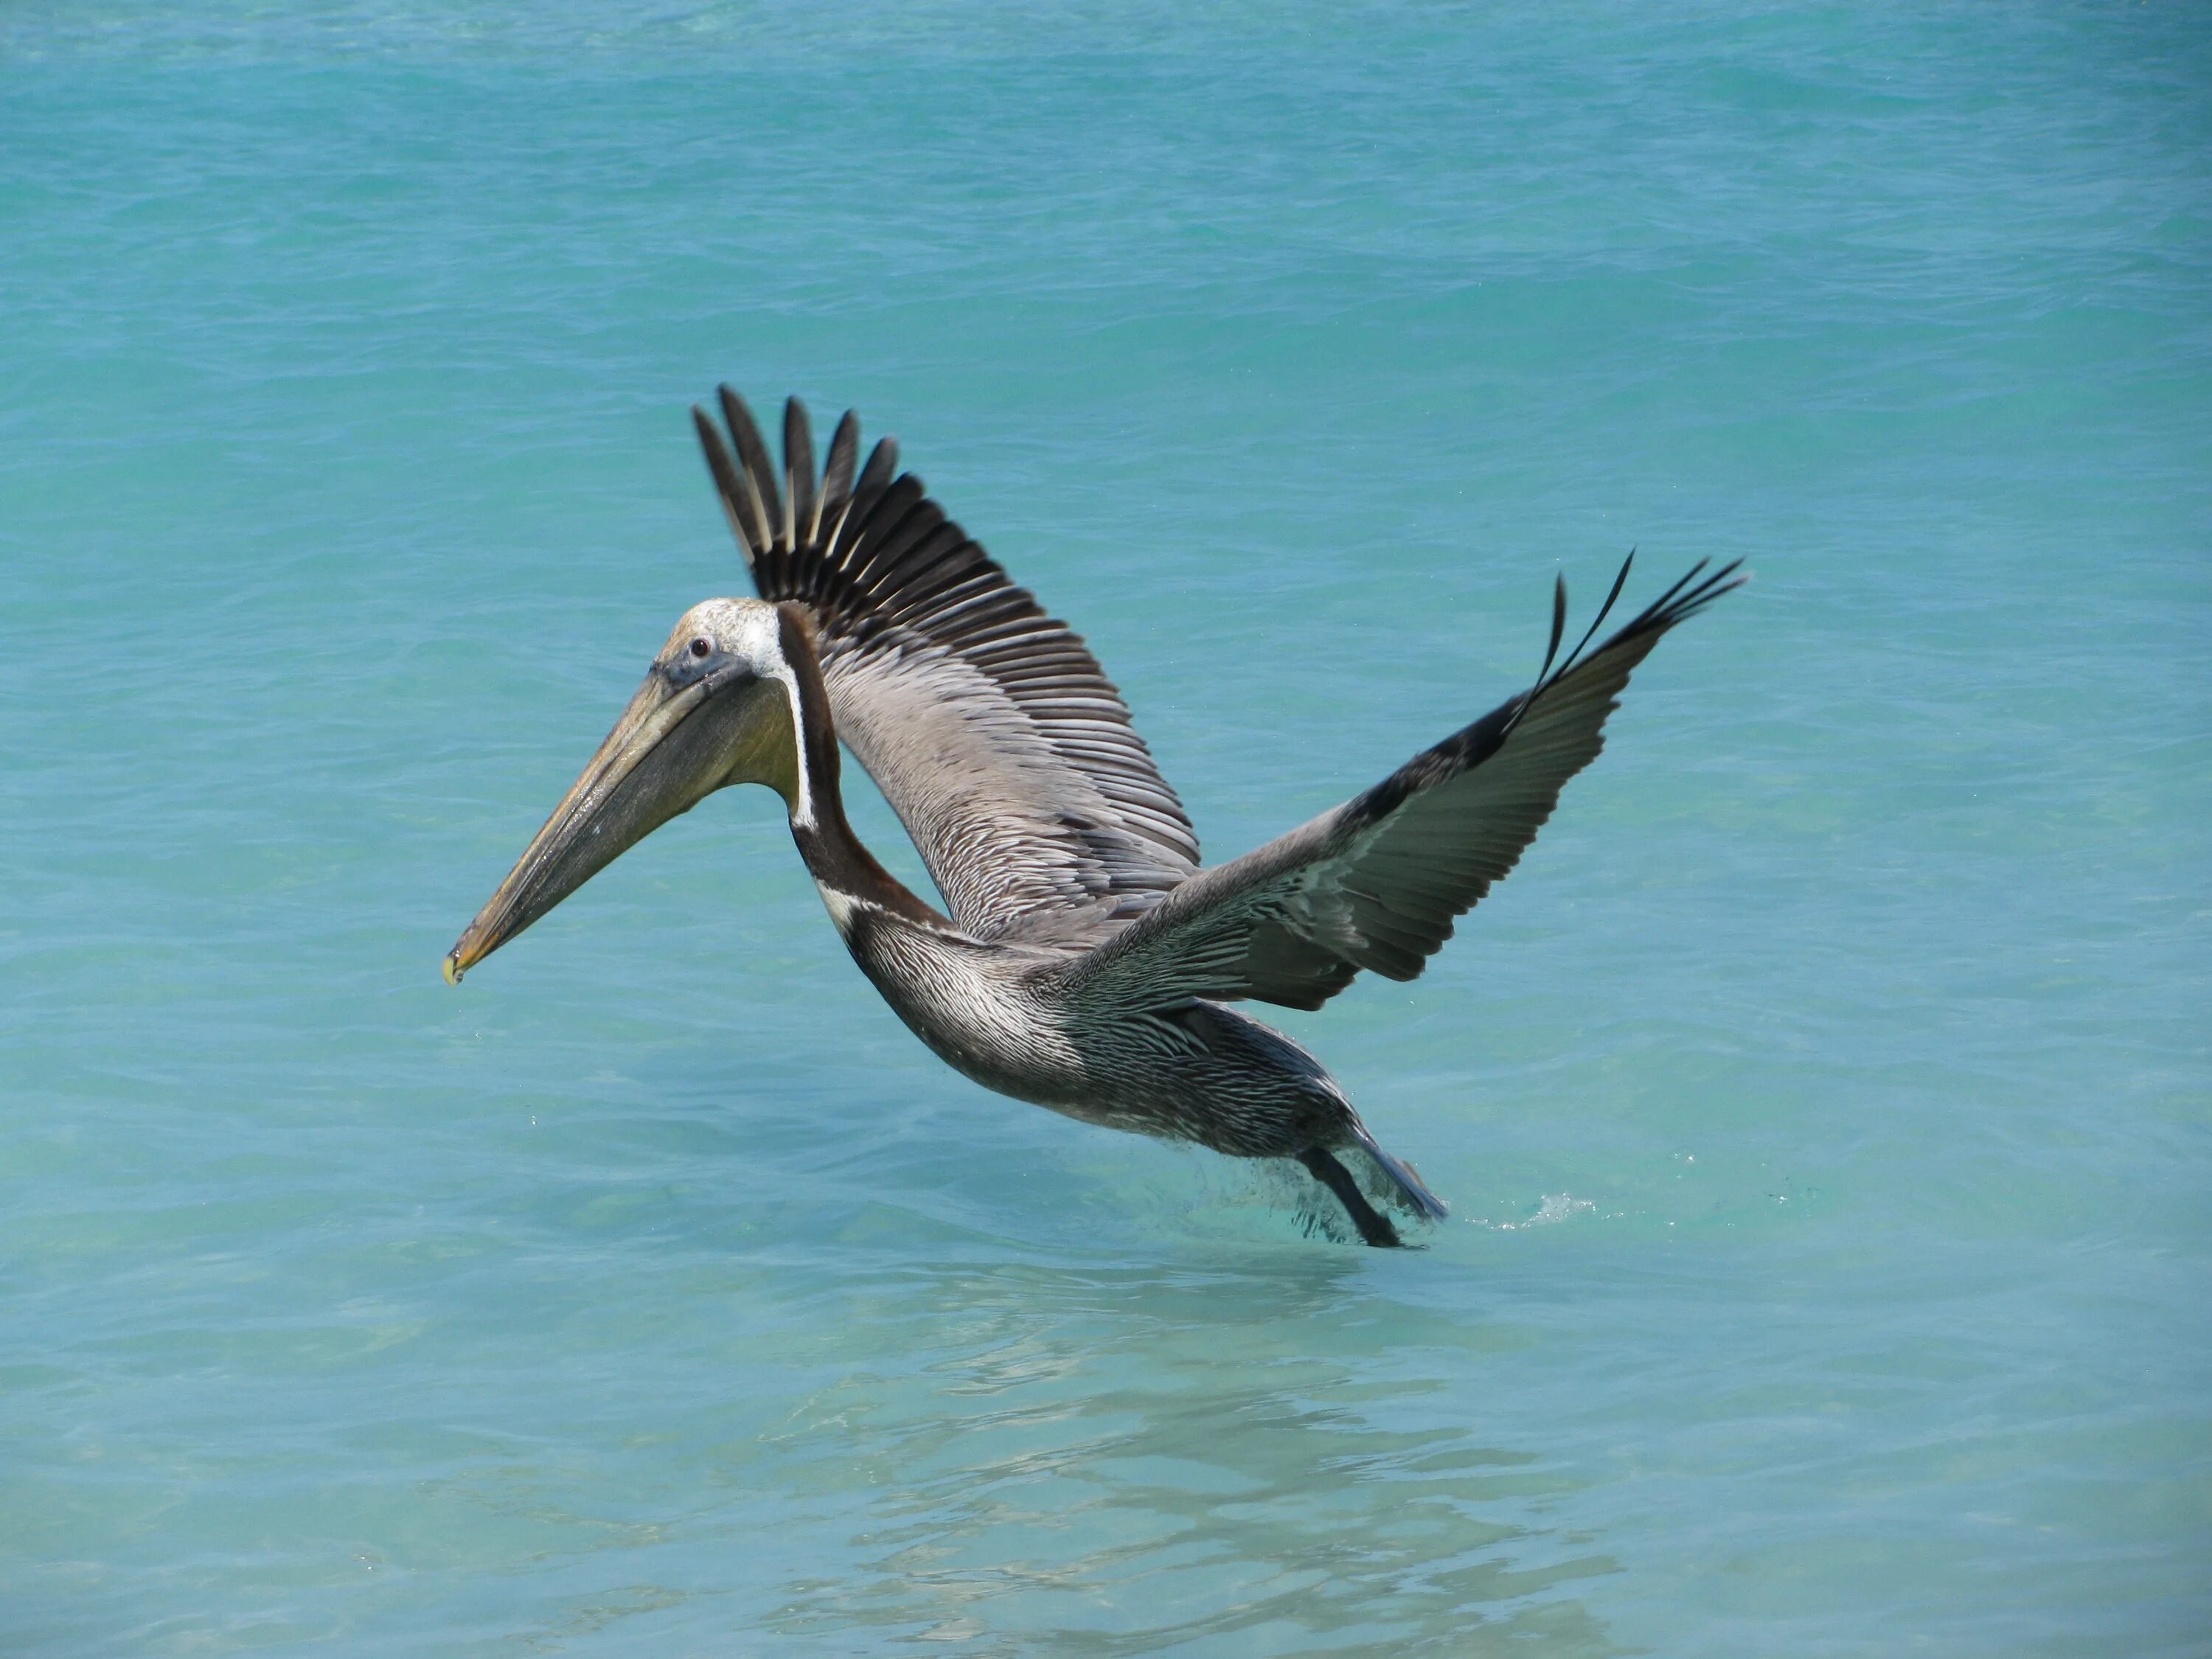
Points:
point(1822, 1100)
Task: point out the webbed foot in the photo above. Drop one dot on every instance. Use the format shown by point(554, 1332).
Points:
point(1374, 1226)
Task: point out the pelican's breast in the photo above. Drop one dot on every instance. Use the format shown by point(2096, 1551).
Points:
point(974, 1004)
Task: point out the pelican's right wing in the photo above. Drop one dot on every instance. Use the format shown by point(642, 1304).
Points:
point(989, 727)
point(1377, 882)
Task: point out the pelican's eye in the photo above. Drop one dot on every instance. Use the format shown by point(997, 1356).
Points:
point(702, 647)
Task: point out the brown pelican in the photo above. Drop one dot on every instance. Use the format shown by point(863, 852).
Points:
point(1088, 963)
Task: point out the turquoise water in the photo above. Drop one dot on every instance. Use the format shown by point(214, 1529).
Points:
point(1825, 1101)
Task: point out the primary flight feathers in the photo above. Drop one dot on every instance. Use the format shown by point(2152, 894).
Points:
point(991, 729)
point(1011, 759)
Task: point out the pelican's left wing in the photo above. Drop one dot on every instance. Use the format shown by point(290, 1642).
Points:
point(1377, 882)
point(989, 727)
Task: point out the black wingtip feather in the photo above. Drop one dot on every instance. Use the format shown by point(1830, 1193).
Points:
point(1604, 610)
point(1558, 625)
point(757, 495)
point(1658, 606)
point(799, 497)
point(724, 470)
point(838, 471)
point(1687, 598)
point(883, 465)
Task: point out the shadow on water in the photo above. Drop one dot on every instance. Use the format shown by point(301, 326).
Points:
point(1130, 1462)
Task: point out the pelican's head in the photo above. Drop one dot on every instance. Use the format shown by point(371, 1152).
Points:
point(719, 706)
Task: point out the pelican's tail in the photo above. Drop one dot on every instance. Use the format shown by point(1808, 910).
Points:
point(1409, 1191)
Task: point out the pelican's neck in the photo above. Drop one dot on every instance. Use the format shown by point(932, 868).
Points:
point(847, 872)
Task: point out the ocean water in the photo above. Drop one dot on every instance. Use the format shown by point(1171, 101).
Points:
point(1826, 1100)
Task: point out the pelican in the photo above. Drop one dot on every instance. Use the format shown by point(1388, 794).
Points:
point(1089, 963)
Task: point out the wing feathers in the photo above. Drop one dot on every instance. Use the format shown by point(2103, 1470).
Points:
point(757, 473)
point(836, 477)
point(1010, 757)
point(798, 521)
point(990, 727)
point(1378, 882)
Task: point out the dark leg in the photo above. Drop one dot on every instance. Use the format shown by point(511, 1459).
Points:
point(1374, 1226)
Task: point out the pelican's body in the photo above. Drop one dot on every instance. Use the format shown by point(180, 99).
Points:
point(1002, 1015)
point(1088, 960)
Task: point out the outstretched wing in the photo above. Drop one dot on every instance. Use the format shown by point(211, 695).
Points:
point(989, 727)
point(1377, 882)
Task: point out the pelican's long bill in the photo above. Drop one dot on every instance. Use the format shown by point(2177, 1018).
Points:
point(680, 739)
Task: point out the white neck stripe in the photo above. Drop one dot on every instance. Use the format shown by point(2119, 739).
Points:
point(802, 811)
